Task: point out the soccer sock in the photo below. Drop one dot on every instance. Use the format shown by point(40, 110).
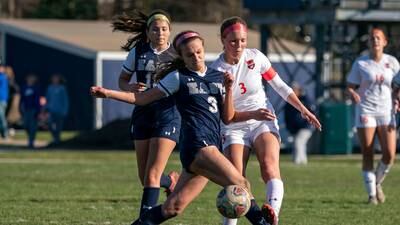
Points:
point(228, 221)
point(254, 214)
point(370, 182)
point(165, 181)
point(149, 198)
point(275, 192)
point(381, 172)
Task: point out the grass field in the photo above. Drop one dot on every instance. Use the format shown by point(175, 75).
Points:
point(70, 187)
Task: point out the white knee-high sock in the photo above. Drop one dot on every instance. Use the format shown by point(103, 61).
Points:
point(370, 182)
point(228, 221)
point(381, 170)
point(275, 194)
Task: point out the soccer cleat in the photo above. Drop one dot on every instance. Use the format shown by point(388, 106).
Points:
point(174, 176)
point(269, 214)
point(380, 196)
point(372, 200)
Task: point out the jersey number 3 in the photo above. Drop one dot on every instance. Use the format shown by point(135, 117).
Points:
point(242, 88)
point(213, 104)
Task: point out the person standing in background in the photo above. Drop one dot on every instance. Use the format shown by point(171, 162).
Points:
point(369, 85)
point(299, 128)
point(3, 102)
point(57, 105)
point(12, 112)
point(30, 107)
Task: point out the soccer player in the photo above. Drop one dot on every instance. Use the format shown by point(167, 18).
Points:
point(249, 67)
point(155, 127)
point(199, 92)
point(369, 85)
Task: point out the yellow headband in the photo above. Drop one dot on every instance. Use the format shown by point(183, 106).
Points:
point(157, 16)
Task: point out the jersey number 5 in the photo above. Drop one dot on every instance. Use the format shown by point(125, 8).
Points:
point(213, 104)
point(243, 88)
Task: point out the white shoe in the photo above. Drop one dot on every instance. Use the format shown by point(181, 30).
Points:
point(372, 200)
point(380, 196)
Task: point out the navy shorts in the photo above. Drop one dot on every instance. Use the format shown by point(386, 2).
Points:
point(155, 125)
point(190, 145)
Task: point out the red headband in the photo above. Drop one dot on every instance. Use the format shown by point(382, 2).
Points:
point(185, 36)
point(234, 27)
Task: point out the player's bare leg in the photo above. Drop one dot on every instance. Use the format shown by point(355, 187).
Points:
point(387, 139)
point(267, 148)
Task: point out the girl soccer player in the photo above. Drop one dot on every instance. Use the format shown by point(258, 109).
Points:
point(369, 85)
point(155, 127)
point(249, 67)
point(199, 92)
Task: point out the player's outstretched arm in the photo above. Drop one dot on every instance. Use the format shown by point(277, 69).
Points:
point(305, 113)
point(142, 98)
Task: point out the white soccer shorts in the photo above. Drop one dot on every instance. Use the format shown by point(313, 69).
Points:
point(247, 134)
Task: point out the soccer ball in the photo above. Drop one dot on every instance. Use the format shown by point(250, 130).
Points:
point(233, 201)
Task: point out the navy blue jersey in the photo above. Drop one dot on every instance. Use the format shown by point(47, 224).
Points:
point(199, 100)
point(143, 61)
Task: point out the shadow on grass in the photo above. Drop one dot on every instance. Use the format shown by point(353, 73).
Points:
point(113, 136)
point(87, 200)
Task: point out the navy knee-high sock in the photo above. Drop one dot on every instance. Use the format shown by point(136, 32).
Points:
point(165, 181)
point(149, 198)
point(254, 214)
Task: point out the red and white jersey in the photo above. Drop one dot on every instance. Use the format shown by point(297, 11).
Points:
point(374, 80)
point(248, 90)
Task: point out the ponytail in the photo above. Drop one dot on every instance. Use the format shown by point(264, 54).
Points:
point(168, 67)
point(136, 23)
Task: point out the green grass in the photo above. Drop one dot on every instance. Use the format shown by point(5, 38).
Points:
point(61, 187)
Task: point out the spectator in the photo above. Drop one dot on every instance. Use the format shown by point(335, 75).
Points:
point(12, 112)
point(30, 107)
point(3, 102)
point(57, 106)
point(299, 128)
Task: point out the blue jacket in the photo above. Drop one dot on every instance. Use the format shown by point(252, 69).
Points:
point(3, 87)
point(57, 99)
point(30, 98)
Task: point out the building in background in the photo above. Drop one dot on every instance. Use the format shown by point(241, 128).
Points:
point(87, 53)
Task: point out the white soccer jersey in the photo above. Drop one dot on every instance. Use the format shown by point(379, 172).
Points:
point(374, 80)
point(248, 90)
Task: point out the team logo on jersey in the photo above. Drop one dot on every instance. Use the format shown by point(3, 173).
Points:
point(250, 64)
point(387, 65)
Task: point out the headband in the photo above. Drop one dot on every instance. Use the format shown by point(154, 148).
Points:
point(234, 27)
point(157, 16)
point(185, 36)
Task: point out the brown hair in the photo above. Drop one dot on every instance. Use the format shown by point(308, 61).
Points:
point(136, 23)
point(378, 29)
point(178, 41)
point(177, 63)
point(230, 21)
